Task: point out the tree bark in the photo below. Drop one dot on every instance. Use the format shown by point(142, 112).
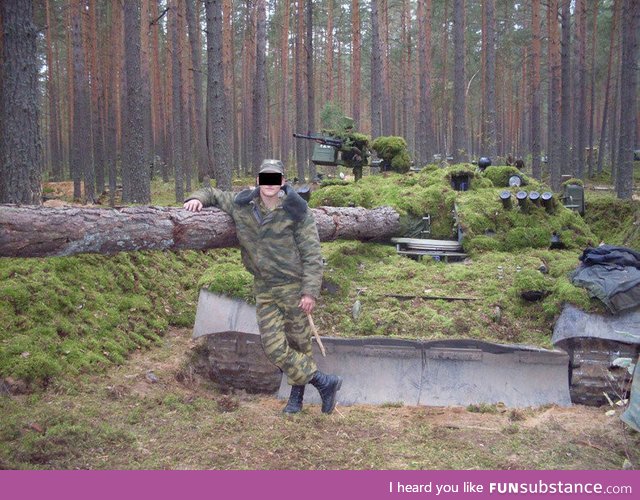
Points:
point(82, 145)
point(603, 128)
point(260, 88)
point(424, 132)
point(376, 72)
point(20, 144)
point(579, 86)
point(230, 86)
point(193, 26)
point(628, 93)
point(44, 231)
point(285, 138)
point(383, 25)
point(459, 83)
point(554, 96)
point(217, 105)
point(490, 125)
point(565, 110)
point(301, 148)
point(328, 78)
point(177, 111)
point(136, 187)
point(535, 90)
point(592, 87)
point(55, 157)
point(355, 62)
point(97, 99)
point(311, 108)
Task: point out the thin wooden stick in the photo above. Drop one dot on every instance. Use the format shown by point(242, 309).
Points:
point(315, 334)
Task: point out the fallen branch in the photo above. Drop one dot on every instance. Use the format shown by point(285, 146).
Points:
point(426, 297)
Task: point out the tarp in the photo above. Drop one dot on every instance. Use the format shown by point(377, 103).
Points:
point(390, 370)
point(573, 322)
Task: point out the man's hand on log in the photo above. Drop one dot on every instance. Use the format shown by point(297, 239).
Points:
point(193, 205)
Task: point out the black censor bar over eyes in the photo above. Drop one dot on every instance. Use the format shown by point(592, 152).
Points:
point(269, 179)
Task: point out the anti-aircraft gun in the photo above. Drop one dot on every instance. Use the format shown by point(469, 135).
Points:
point(340, 147)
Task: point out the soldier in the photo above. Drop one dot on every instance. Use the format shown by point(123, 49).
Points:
point(280, 247)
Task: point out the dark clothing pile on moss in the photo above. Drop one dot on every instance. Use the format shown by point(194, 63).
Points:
point(612, 274)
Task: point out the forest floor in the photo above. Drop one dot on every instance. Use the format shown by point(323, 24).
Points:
point(153, 412)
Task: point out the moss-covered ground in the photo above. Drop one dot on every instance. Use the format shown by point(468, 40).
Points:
point(77, 335)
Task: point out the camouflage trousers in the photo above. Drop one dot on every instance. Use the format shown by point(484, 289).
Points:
point(285, 332)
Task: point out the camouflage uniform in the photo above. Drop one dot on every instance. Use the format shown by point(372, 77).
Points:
point(281, 249)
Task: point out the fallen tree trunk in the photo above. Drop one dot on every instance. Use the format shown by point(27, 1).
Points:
point(42, 231)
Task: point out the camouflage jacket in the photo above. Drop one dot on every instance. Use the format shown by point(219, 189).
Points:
point(280, 247)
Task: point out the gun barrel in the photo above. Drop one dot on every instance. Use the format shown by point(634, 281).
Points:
point(336, 143)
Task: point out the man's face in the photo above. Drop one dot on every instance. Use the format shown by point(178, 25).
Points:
point(269, 184)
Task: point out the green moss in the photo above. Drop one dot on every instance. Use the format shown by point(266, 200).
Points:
point(532, 280)
point(614, 221)
point(65, 315)
point(499, 176)
point(393, 150)
point(228, 278)
point(573, 180)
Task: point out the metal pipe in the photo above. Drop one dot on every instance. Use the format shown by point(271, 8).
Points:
point(521, 196)
point(505, 198)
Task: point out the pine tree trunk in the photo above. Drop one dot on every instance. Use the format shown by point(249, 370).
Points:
point(580, 84)
point(216, 96)
point(176, 99)
point(230, 82)
point(424, 132)
point(356, 69)
point(490, 124)
point(535, 90)
point(20, 145)
point(387, 114)
point(43, 231)
point(376, 72)
point(285, 132)
point(592, 86)
point(260, 88)
point(328, 77)
point(301, 148)
point(311, 107)
point(161, 104)
point(445, 110)
point(97, 100)
point(408, 128)
point(200, 132)
point(82, 146)
point(628, 97)
point(459, 83)
point(55, 160)
point(135, 185)
point(605, 111)
point(554, 96)
point(565, 109)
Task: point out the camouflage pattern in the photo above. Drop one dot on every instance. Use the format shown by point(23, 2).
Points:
point(281, 248)
point(286, 333)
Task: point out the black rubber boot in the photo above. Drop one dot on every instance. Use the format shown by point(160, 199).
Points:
point(328, 387)
point(294, 405)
